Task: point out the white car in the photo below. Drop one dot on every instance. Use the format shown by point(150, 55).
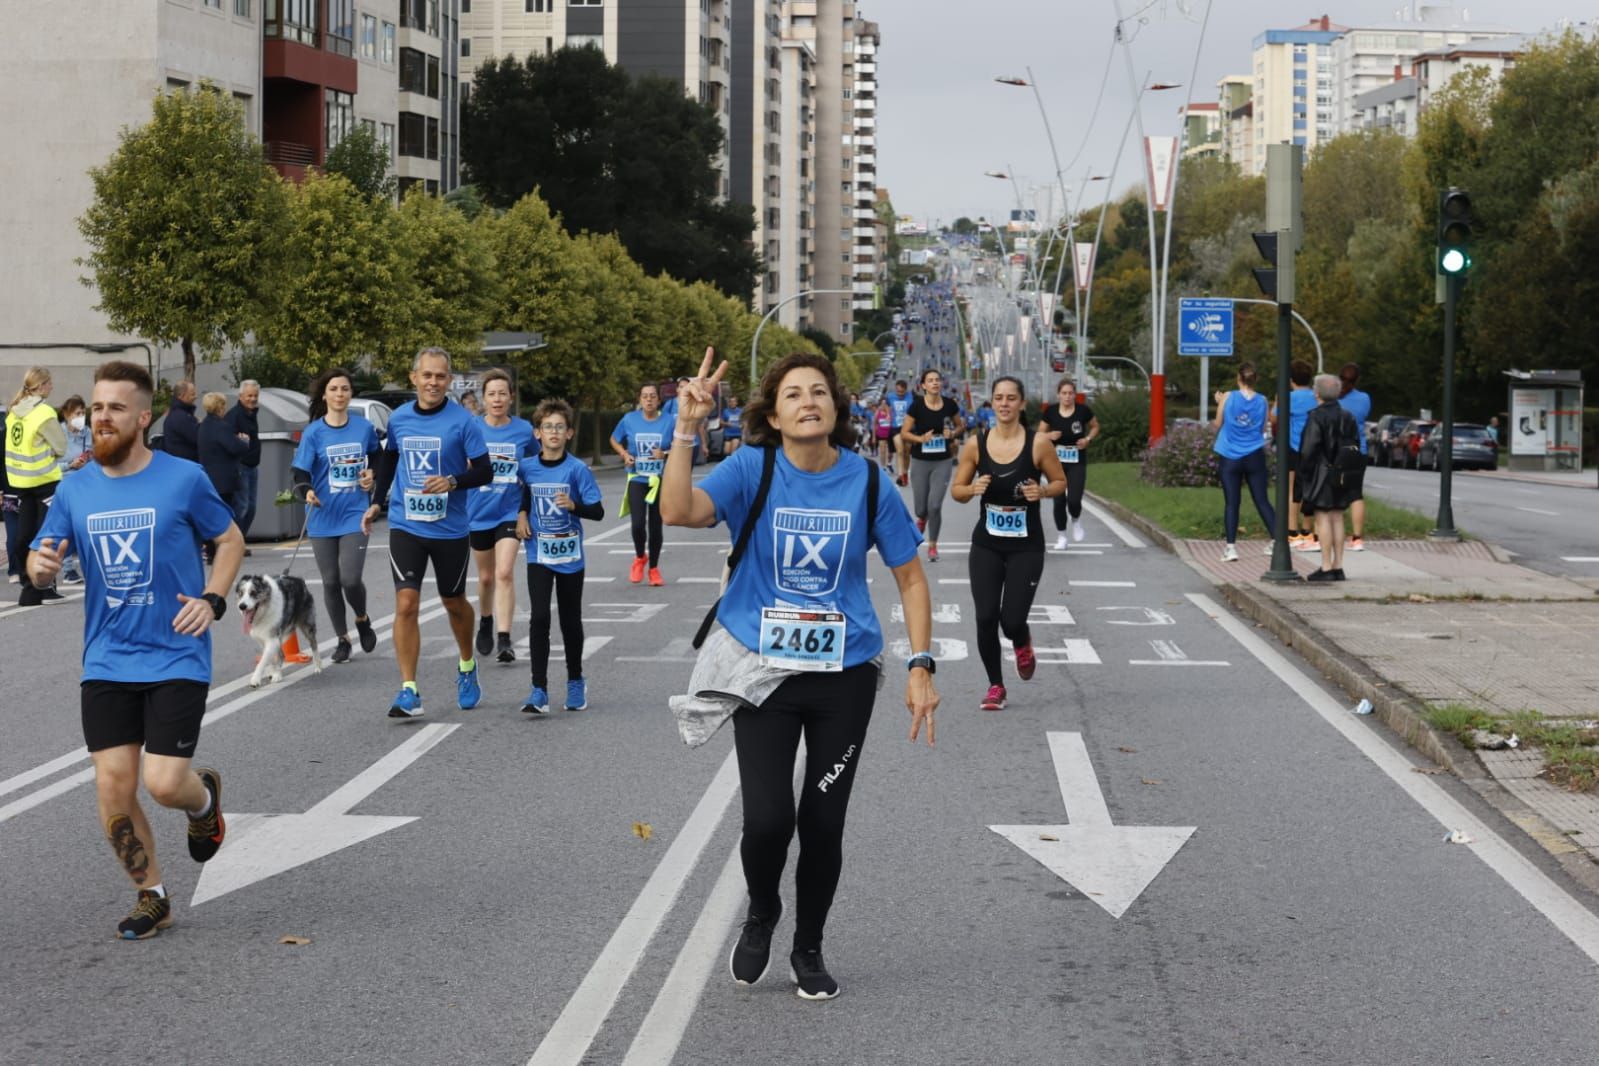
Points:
point(376, 412)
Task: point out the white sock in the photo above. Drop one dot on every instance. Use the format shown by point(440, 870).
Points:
point(159, 890)
point(195, 816)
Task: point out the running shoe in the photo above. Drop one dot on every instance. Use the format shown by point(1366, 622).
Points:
point(932, 553)
point(467, 691)
point(1026, 662)
point(1078, 532)
point(636, 573)
point(14, 579)
point(408, 704)
point(995, 700)
point(577, 695)
point(485, 634)
point(506, 654)
point(753, 951)
point(1320, 575)
point(904, 479)
point(1306, 544)
point(921, 525)
point(1338, 574)
point(1229, 554)
point(811, 979)
point(538, 701)
point(50, 595)
point(206, 833)
point(655, 577)
point(1060, 542)
point(1356, 544)
point(72, 578)
point(363, 630)
point(148, 917)
point(341, 653)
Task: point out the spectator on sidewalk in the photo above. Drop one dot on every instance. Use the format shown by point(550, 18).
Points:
point(79, 453)
point(34, 444)
point(243, 418)
point(1357, 403)
point(1331, 471)
point(180, 433)
point(1241, 418)
point(221, 450)
point(1301, 400)
point(1493, 430)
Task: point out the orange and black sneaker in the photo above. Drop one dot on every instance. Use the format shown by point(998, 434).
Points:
point(207, 831)
point(148, 917)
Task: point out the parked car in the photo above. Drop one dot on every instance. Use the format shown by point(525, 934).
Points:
point(1382, 444)
point(1472, 445)
point(1410, 442)
point(374, 411)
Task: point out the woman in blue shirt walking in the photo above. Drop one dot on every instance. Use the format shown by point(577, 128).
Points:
point(1241, 443)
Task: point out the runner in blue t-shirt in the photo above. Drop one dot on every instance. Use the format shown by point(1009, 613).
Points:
point(1357, 403)
point(435, 454)
point(797, 608)
point(333, 472)
point(900, 405)
point(732, 426)
point(557, 491)
point(641, 439)
point(137, 519)
point(492, 511)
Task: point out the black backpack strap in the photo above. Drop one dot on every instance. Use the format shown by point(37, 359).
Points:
point(872, 476)
point(768, 465)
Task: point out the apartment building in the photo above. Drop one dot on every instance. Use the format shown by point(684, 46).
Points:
point(1202, 130)
point(796, 252)
point(1293, 88)
point(1235, 108)
point(755, 150)
point(870, 260)
point(1433, 69)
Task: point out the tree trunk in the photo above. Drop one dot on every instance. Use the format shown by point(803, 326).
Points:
point(599, 435)
point(188, 358)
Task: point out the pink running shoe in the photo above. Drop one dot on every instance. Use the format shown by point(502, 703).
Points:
point(995, 700)
point(1026, 662)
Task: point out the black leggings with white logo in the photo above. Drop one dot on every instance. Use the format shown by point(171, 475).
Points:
point(832, 711)
point(1003, 586)
point(568, 589)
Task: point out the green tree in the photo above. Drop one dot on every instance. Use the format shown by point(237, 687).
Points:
point(467, 200)
point(963, 226)
point(361, 158)
point(611, 154)
point(452, 279)
point(185, 226)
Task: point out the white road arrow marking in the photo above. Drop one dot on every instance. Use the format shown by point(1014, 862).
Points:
point(1169, 654)
point(943, 613)
point(1110, 864)
point(945, 649)
point(1075, 651)
point(1050, 614)
point(260, 846)
point(1152, 617)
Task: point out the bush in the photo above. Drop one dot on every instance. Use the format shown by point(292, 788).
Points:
point(1183, 457)
point(1123, 425)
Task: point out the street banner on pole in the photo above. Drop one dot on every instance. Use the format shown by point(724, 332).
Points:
point(1027, 328)
point(1085, 264)
point(1204, 327)
point(1010, 344)
point(1160, 157)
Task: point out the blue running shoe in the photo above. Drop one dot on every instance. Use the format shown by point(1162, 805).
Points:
point(577, 695)
point(408, 704)
point(538, 701)
point(467, 691)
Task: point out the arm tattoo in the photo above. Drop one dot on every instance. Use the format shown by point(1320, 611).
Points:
point(129, 848)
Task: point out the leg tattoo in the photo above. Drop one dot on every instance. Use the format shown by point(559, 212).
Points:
point(129, 848)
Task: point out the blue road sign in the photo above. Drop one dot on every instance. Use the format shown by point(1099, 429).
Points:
point(1204, 327)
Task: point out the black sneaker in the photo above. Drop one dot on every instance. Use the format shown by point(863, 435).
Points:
point(50, 595)
point(363, 630)
point(1320, 575)
point(753, 952)
point(811, 976)
point(341, 654)
point(205, 834)
point(1338, 574)
point(148, 917)
point(485, 635)
point(507, 653)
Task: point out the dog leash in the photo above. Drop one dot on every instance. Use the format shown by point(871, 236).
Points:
point(300, 541)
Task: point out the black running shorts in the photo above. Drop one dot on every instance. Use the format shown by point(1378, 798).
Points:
point(163, 716)
point(410, 554)
point(484, 540)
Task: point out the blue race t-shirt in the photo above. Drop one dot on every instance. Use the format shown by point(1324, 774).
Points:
point(443, 442)
point(1358, 404)
point(496, 503)
point(1243, 426)
point(335, 457)
point(640, 436)
point(557, 542)
point(1300, 403)
point(899, 405)
point(732, 423)
point(808, 550)
point(139, 538)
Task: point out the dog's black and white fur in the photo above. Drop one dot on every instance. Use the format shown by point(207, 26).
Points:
point(272, 609)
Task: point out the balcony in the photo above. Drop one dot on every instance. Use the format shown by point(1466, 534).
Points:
point(866, 214)
point(868, 232)
point(865, 104)
point(866, 160)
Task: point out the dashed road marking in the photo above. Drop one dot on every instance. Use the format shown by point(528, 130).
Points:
point(1103, 584)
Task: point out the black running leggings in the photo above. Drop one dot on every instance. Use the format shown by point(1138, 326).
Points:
point(568, 588)
point(1003, 585)
point(1234, 474)
point(832, 711)
point(1072, 502)
point(644, 515)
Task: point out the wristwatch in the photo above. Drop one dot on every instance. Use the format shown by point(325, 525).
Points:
point(451, 479)
point(219, 606)
point(924, 660)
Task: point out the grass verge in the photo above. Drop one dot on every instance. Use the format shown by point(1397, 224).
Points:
point(1570, 749)
point(1198, 512)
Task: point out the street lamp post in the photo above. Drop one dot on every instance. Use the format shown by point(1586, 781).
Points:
point(755, 342)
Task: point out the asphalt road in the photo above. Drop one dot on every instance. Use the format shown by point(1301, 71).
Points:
point(1553, 528)
point(475, 887)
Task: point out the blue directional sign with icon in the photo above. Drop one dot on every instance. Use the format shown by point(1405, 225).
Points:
point(1204, 327)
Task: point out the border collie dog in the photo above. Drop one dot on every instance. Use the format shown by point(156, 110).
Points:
point(272, 608)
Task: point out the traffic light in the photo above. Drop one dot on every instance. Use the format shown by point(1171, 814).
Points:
point(1060, 319)
point(1277, 280)
point(1455, 223)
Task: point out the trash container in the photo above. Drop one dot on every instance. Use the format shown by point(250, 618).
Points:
point(282, 418)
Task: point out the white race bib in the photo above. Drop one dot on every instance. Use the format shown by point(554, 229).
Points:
point(649, 467)
point(802, 640)
point(425, 506)
point(935, 446)
point(502, 457)
point(1065, 454)
point(1005, 521)
point(559, 549)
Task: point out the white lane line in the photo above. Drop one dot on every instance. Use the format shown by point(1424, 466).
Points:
point(1123, 534)
point(699, 581)
point(1532, 884)
point(954, 581)
point(1537, 510)
point(54, 766)
point(1078, 551)
point(1579, 558)
point(568, 1041)
point(1178, 662)
point(1103, 584)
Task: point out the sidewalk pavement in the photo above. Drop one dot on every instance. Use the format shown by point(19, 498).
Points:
point(1421, 624)
point(1583, 479)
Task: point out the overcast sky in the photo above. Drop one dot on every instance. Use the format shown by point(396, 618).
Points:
point(943, 120)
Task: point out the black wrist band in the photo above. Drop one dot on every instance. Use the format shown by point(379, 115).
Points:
point(219, 606)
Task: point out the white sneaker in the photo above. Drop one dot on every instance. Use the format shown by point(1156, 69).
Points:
point(1229, 554)
point(1270, 547)
point(1077, 529)
point(1060, 543)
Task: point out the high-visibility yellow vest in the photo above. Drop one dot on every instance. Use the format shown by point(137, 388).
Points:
point(29, 460)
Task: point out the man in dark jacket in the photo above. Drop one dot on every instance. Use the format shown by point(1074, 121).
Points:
point(180, 434)
point(242, 419)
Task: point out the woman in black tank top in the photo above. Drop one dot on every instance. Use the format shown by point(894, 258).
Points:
point(1001, 468)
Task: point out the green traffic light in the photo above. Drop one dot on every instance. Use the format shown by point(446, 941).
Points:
point(1454, 261)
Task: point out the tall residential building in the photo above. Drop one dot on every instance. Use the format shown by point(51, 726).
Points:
point(796, 262)
point(1202, 131)
point(871, 249)
point(1435, 68)
point(1236, 108)
point(755, 150)
point(1293, 91)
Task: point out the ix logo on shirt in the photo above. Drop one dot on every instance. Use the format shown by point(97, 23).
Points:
point(421, 458)
point(124, 548)
point(810, 549)
point(547, 514)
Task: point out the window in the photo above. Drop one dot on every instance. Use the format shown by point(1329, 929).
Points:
point(413, 71)
point(292, 20)
point(595, 40)
point(341, 27)
point(214, 3)
point(407, 184)
point(369, 37)
point(466, 7)
point(245, 102)
point(388, 44)
point(386, 138)
point(414, 14)
point(340, 109)
point(433, 77)
point(584, 3)
point(413, 135)
point(241, 8)
point(535, 7)
point(466, 47)
point(433, 138)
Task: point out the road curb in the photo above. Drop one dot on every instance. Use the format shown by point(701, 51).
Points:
point(1396, 708)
